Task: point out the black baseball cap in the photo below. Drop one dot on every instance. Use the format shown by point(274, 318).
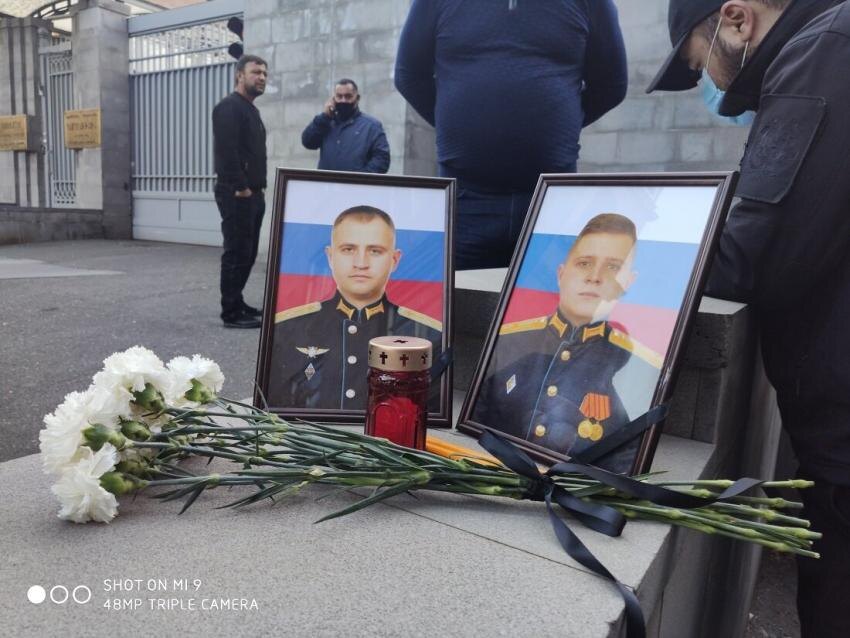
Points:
point(682, 17)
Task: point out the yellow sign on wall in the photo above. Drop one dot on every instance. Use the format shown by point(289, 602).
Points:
point(82, 128)
point(13, 132)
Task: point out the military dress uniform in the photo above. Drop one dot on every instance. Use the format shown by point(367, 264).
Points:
point(319, 355)
point(552, 384)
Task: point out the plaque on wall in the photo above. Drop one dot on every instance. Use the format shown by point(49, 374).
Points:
point(82, 128)
point(13, 133)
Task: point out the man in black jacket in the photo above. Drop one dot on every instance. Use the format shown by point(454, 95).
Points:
point(786, 245)
point(239, 146)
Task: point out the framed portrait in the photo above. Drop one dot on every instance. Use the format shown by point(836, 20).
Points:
point(352, 256)
point(595, 308)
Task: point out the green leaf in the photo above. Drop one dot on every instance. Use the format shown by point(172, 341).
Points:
point(366, 502)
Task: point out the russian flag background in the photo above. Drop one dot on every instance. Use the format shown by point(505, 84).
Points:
point(670, 223)
point(419, 215)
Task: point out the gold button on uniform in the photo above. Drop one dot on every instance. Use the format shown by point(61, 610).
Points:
point(552, 390)
point(540, 430)
point(565, 355)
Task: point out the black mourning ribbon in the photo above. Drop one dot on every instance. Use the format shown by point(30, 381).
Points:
point(598, 517)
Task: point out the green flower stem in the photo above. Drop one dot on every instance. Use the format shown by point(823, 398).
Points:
point(765, 514)
point(774, 503)
point(707, 529)
point(200, 451)
point(796, 535)
point(680, 516)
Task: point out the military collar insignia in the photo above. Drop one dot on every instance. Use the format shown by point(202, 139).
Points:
point(311, 351)
point(376, 309)
point(596, 331)
point(345, 309)
point(559, 324)
point(370, 311)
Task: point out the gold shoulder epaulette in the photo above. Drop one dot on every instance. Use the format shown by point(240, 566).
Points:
point(646, 353)
point(538, 323)
point(298, 311)
point(409, 313)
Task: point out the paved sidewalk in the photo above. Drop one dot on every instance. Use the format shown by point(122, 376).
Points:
point(65, 306)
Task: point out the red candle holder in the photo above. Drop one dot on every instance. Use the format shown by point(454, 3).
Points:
point(399, 380)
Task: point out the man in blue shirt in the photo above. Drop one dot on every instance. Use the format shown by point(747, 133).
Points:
point(508, 84)
point(348, 139)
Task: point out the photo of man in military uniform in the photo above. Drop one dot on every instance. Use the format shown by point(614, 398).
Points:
point(320, 348)
point(551, 379)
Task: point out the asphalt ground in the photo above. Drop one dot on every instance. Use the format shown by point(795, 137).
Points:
point(56, 330)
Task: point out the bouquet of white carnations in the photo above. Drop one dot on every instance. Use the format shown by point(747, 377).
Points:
point(139, 418)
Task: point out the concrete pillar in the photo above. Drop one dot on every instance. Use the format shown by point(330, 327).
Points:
point(23, 182)
point(101, 61)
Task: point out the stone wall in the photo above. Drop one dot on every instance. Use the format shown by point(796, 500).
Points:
point(23, 225)
point(310, 44)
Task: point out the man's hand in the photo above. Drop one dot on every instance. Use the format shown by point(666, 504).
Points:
point(243, 193)
point(329, 107)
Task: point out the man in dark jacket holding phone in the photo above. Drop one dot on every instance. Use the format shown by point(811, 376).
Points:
point(347, 138)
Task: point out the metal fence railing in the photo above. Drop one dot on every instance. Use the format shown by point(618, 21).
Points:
point(58, 96)
point(176, 78)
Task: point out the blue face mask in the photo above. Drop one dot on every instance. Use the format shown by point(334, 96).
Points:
point(713, 96)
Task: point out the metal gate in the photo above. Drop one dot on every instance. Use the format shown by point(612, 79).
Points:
point(58, 97)
point(178, 73)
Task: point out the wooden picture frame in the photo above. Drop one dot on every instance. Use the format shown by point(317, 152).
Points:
point(594, 312)
point(385, 267)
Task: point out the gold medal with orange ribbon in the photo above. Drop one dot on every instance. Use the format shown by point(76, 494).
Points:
point(597, 408)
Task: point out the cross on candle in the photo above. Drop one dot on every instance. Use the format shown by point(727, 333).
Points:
point(424, 358)
point(404, 359)
point(384, 358)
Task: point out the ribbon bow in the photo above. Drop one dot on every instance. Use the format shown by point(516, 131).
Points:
point(598, 517)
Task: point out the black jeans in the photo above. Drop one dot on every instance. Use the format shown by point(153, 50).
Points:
point(487, 227)
point(241, 219)
point(823, 585)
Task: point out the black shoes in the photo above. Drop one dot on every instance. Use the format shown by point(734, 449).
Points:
point(251, 311)
point(242, 321)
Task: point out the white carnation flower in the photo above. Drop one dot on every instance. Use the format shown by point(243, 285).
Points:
point(184, 370)
point(61, 438)
point(131, 370)
point(79, 490)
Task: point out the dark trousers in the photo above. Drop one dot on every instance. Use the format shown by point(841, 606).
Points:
point(487, 227)
point(241, 219)
point(823, 585)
